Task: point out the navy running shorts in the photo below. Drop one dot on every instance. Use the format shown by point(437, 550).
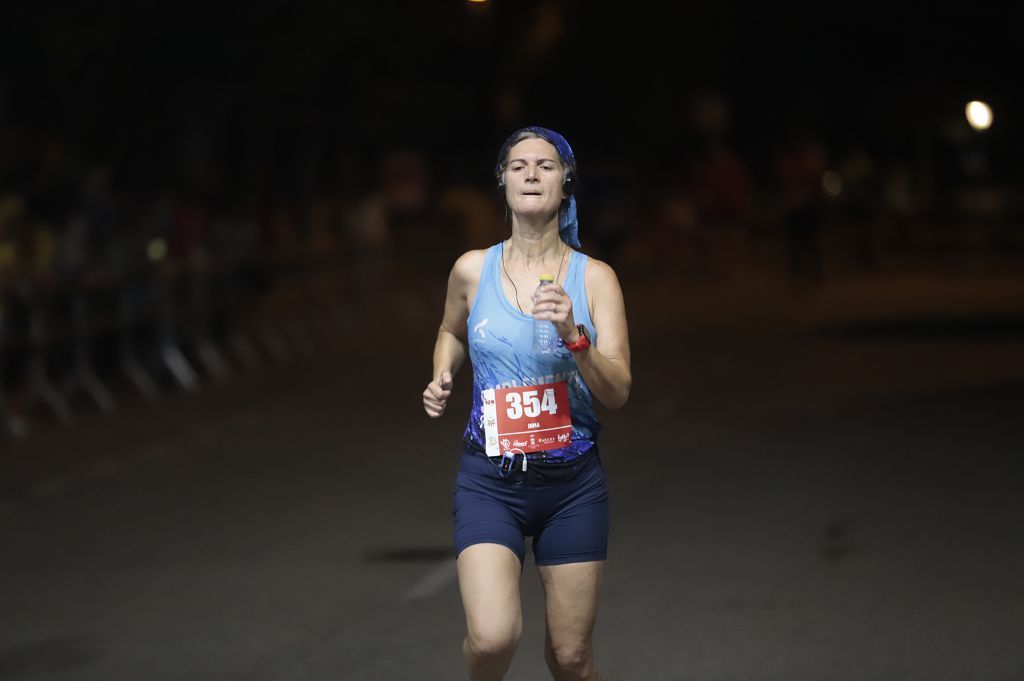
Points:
point(564, 507)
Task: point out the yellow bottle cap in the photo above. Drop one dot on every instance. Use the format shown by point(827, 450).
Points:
point(547, 277)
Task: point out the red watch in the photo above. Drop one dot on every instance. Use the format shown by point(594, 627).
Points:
point(581, 343)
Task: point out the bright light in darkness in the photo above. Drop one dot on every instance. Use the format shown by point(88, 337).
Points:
point(156, 249)
point(979, 115)
point(832, 183)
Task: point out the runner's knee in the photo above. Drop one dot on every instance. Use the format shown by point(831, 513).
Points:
point(569, 661)
point(491, 640)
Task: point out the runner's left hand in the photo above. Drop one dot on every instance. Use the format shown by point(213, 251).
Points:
point(553, 304)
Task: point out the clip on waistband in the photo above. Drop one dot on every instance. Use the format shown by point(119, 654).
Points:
point(508, 462)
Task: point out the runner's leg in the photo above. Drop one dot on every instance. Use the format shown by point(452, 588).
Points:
point(570, 593)
point(489, 582)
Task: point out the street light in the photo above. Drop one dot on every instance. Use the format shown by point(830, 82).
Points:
point(979, 115)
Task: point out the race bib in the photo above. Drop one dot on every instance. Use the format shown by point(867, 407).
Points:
point(531, 418)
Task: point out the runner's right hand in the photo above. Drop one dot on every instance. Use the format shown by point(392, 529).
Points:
point(435, 397)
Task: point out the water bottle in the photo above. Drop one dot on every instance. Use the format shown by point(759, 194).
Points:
point(545, 337)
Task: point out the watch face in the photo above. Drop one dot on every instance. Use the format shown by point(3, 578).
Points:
point(583, 332)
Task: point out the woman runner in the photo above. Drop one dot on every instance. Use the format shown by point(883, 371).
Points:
point(530, 465)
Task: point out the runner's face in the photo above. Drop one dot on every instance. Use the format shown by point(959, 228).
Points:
point(533, 178)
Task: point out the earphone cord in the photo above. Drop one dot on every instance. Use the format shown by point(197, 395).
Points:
point(514, 289)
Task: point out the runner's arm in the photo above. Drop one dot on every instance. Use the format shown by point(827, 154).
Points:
point(605, 366)
point(450, 346)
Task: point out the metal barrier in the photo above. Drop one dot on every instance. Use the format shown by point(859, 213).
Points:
point(65, 347)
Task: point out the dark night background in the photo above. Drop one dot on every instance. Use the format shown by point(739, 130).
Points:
point(225, 232)
point(131, 84)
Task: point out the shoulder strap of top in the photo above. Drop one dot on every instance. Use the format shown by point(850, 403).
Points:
point(574, 274)
point(490, 271)
point(575, 286)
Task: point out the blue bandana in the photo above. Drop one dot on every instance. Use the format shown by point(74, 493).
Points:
point(568, 225)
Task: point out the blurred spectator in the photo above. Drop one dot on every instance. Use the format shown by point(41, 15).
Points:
point(285, 236)
point(28, 249)
point(860, 202)
point(799, 166)
point(322, 216)
point(900, 208)
point(672, 242)
point(50, 193)
point(474, 214)
point(722, 191)
point(722, 188)
point(87, 235)
point(678, 241)
point(401, 236)
point(610, 222)
point(27, 267)
point(386, 220)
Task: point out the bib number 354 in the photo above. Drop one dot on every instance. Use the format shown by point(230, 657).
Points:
point(530, 404)
point(527, 419)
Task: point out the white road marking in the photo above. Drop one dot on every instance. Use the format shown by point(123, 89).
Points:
point(432, 582)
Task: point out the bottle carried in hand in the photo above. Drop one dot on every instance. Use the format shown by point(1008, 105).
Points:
point(545, 336)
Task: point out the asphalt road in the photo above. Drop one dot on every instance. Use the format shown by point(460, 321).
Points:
point(789, 501)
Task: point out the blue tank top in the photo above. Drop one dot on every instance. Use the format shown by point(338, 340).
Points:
point(501, 352)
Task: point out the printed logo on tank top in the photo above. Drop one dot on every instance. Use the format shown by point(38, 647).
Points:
point(560, 377)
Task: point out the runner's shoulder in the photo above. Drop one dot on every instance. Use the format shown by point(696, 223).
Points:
point(600, 274)
point(468, 266)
